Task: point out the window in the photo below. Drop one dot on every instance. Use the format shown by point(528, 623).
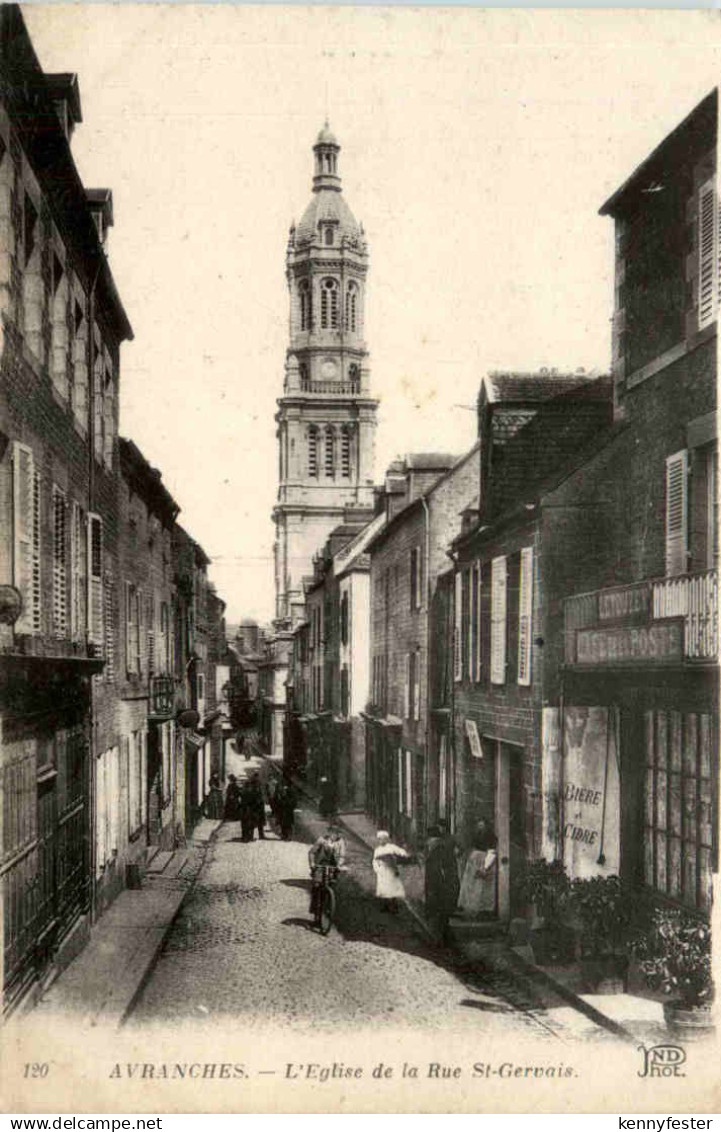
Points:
point(166, 748)
point(164, 643)
point(95, 579)
point(98, 386)
point(409, 783)
point(305, 304)
point(678, 799)
point(329, 452)
point(312, 451)
point(26, 537)
point(354, 377)
point(344, 700)
point(131, 628)
point(59, 321)
point(150, 630)
point(80, 361)
point(328, 235)
point(329, 304)
point(416, 589)
point(33, 291)
point(200, 685)
point(478, 594)
point(60, 564)
point(525, 617)
point(498, 620)
point(457, 626)
point(351, 307)
point(345, 451)
point(136, 779)
point(677, 514)
point(108, 421)
point(708, 254)
point(78, 573)
point(107, 807)
point(303, 375)
point(344, 618)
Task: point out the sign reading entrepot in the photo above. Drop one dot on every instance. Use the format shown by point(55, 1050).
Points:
point(662, 643)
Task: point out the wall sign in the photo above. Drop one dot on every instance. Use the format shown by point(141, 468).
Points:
point(474, 739)
point(624, 601)
point(661, 644)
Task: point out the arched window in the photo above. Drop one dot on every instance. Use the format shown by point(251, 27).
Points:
point(354, 376)
point(345, 452)
point(328, 234)
point(329, 304)
point(312, 451)
point(329, 452)
point(303, 374)
point(305, 307)
point(351, 308)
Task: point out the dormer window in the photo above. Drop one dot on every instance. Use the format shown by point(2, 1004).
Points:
point(329, 235)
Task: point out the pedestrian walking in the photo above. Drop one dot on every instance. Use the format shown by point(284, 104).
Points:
point(387, 862)
point(478, 895)
point(231, 809)
point(326, 798)
point(214, 803)
point(285, 803)
point(257, 807)
point(246, 812)
point(442, 884)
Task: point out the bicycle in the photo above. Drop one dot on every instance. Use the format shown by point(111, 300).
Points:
point(325, 899)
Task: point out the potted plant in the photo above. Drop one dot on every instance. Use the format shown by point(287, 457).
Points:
point(545, 885)
point(603, 907)
point(674, 955)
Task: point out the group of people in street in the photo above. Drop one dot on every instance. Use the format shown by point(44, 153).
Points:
point(245, 802)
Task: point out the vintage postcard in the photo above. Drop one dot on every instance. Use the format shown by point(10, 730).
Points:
point(359, 542)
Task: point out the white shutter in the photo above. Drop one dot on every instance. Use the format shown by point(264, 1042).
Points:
point(457, 611)
point(129, 627)
point(417, 685)
point(144, 776)
point(78, 573)
point(498, 620)
point(471, 575)
point(23, 479)
point(114, 800)
point(478, 620)
point(95, 579)
point(101, 830)
point(677, 513)
point(409, 783)
point(525, 616)
point(399, 759)
point(407, 687)
point(708, 253)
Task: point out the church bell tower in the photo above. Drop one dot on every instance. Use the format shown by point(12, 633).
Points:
point(326, 417)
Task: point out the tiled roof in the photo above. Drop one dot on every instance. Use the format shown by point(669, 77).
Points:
point(560, 431)
point(430, 461)
point(538, 386)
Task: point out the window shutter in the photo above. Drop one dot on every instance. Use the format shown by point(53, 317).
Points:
point(139, 632)
point(151, 636)
point(525, 617)
point(109, 627)
point(95, 579)
point(677, 513)
point(478, 621)
point(708, 254)
point(399, 760)
point(78, 573)
point(498, 620)
point(407, 688)
point(129, 627)
point(414, 579)
point(60, 564)
point(23, 481)
point(409, 783)
point(417, 685)
point(457, 611)
point(472, 599)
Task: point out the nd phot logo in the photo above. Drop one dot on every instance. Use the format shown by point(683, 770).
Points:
point(662, 1061)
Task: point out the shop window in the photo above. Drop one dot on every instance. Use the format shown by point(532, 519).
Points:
point(678, 800)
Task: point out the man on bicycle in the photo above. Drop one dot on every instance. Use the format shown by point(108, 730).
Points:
point(329, 849)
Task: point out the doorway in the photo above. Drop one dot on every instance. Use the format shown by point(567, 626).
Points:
point(510, 820)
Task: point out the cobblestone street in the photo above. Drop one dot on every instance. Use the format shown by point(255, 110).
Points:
point(244, 945)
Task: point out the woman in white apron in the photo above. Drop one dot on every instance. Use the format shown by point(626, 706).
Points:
point(480, 876)
point(387, 859)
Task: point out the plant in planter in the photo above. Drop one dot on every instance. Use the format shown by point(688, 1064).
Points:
point(603, 908)
point(546, 885)
point(674, 955)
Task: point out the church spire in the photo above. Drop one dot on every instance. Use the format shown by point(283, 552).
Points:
point(326, 150)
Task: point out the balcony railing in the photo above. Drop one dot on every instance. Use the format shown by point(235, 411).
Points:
point(695, 598)
point(349, 388)
point(692, 597)
point(162, 695)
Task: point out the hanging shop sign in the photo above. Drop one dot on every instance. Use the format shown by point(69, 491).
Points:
point(661, 643)
point(474, 739)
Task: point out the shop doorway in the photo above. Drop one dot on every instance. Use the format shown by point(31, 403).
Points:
point(510, 815)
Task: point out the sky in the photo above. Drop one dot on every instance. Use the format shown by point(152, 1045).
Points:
point(477, 148)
